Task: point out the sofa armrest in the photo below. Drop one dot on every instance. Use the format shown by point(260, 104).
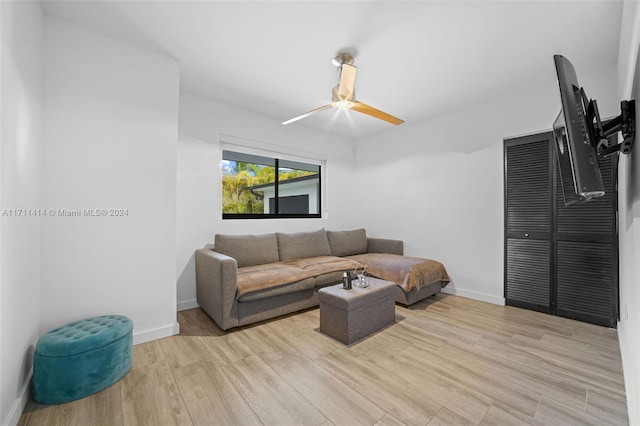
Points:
point(216, 286)
point(382, 245)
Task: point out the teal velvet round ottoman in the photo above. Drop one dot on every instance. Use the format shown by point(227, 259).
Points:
point(81, 358)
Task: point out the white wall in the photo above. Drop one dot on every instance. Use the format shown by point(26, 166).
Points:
point(110, 138)
point(20, 144)
point(629, 211)
point(293, 189)
point(199, 216)
point(439, 183)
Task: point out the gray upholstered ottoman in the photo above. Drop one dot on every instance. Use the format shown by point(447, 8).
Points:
point(350, 315)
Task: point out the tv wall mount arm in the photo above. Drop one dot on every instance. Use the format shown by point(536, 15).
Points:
point(624, 123)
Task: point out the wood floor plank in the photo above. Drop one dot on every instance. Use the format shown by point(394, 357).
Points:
point(516, 397)
point(433, 326)
point(150, 396)
point(184, 350)
point(338, 402)
point(394, 396)
point(567, 391)
point(498, 415)
point(305, 336)
point(577, 364)
point(553, 412)
point(612, 409)
point(488, 323)
point(522, 318)
point(600, 336)
point(384, 341)
point(195, 322)
point(446, 417)
point(425, 385)
point(414, 335)
point(226, 349)
point(147, 353)
point(102, 409)
point(540, 365)
point(266, 342)
point(269, 395)
point(474, 323)
point(210, 396)
point(446, 360)
point(389, 420)
point(578, 353)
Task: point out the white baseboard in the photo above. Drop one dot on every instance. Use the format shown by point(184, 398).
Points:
point(474, 295)
point(156, 333)
point(20, 402)
point(188, 304)
point(633, 406)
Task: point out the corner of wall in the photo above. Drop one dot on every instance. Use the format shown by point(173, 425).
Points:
point(629, 41)
point(21, 78)
point(629, 215)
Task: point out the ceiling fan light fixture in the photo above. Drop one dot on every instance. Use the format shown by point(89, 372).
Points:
point(343, 104)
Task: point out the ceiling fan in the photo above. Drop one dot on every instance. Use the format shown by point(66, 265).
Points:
point(343, 95)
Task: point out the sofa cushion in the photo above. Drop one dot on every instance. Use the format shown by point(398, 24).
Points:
point(248, 250)
point(305, 284)
point(347, 243)
point(260, 277)
point(301, 245)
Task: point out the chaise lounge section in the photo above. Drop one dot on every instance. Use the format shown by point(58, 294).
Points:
point(249, 278)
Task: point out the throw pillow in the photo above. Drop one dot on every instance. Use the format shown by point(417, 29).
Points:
point(301, 245)
point(347, 243)
point(248, 250)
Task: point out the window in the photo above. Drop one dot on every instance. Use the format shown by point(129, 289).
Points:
point(256, 187)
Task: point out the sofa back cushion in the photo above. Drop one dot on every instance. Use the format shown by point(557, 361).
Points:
point(301, 245)
point(248, 250)
point(347, 243)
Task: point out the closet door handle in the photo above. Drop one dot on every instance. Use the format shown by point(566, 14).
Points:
point(526, 235)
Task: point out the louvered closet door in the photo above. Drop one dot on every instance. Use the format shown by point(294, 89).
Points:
point(561, 260)
point(587, 255)
point(528, 218)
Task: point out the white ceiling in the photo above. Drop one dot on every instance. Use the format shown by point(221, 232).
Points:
point(415, 59)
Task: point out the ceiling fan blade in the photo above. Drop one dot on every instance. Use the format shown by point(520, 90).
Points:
point(306, 114)
point(369, 110)
point(347, 82)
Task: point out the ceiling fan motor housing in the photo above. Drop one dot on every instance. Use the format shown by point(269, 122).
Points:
point(342, 58)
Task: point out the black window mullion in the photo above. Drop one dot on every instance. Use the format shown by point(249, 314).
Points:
point(277, 185)
point(319, 190)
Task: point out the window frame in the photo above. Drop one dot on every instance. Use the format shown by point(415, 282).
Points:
point(277, 158)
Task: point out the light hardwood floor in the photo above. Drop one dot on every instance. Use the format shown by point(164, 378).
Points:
point(446, 360)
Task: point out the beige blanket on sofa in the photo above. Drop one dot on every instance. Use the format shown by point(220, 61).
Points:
point(408, 272)
point(260, 277)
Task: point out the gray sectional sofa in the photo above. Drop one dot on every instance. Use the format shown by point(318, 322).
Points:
point(248, 278)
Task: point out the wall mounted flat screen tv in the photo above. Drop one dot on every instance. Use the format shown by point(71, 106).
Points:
point(575, 138)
